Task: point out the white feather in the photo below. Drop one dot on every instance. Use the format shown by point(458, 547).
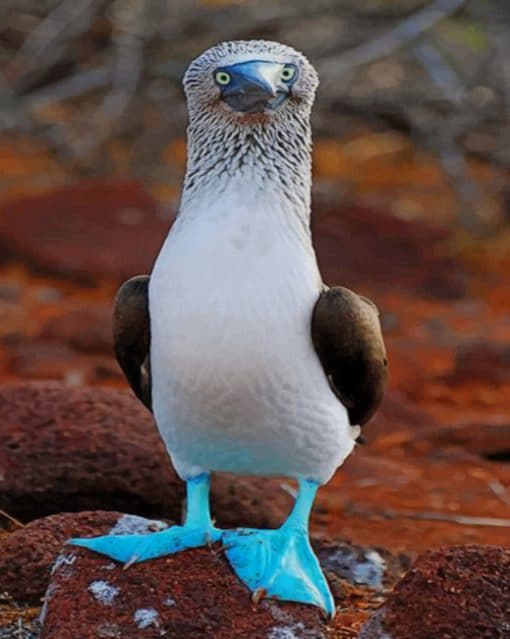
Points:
point(237, 385)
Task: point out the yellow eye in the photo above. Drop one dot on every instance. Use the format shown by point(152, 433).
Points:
point(222, 78)
point(288, 73)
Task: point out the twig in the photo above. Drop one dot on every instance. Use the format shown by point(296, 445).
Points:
point(71, 87)
point(54, 25)
point(12, 519)
point(290, 490)
point(393, 40)
point(442, 74)
point(465, 520)
point(128, 20)
point(500, 491)
point(456, 167)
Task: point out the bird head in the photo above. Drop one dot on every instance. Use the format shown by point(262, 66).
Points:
point(250, 79)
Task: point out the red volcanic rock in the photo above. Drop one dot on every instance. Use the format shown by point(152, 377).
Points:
point(481, 362)
point(190, 595)
point(89, 230)
point(357, 246)
point(27, 555)
point(397, 413)
point(86, 328)
point(45, 359)
point(259, 502)
point(69, 449)
point(461, 592)
point(81, 448)
point(485, 439)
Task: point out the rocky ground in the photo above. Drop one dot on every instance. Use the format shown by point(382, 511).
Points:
point(413, 531)
point(429, 490)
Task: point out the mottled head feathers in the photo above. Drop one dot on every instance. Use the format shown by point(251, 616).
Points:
point(202, 91)
point(270, 146)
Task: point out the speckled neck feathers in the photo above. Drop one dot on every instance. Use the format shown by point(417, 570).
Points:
point(262, 152)
point(269, 151)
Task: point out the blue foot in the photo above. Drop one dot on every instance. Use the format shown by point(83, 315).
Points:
point(279, 563)
point(198, 530)
point(135, 548)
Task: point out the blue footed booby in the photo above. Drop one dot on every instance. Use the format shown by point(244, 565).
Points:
point(249, 363)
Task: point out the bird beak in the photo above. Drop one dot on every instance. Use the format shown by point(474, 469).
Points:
point(255, 87)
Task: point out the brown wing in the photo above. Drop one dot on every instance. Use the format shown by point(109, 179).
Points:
point(131, 335)
point(347, 336)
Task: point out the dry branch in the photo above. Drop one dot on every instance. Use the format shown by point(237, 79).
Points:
point(465, 520)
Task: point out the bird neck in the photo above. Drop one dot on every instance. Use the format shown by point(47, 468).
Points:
point(270, 156)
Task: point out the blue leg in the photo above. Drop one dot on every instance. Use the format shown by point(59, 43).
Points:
point(198, 530)
point(281, 563)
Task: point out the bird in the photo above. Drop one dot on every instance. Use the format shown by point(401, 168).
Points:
point(249, 363)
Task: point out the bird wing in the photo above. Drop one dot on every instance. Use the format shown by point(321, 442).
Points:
point(131, 335)
point(347, 337)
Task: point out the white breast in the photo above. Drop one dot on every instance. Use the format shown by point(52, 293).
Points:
point(237, 385)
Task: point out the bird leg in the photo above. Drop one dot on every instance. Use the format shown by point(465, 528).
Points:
point(281, 563)
point(197, 530)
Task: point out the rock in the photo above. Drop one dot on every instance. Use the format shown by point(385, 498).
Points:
point(81, 449)
point(397, 413)
point(86, 328)
point(358, 246)
point(17, 622)
point(27, 555)
point(461, 592)
point(483, 362)
point(360, 565)
point(485, 439)
point(193, 594)
point(45, 359)
point(258, 502)
point(90, 230)
point(70, 449)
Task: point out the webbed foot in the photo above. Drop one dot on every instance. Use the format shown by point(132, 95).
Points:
point(135, 548)
point(279, 563)
point(198, 530)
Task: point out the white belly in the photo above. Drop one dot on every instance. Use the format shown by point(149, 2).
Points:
point(237, 385)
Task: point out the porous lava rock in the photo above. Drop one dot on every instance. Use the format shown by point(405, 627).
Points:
point(193, 594)
point(70, 449)
point(357, 246)
point(190, 595)
point(27, 554)
point(460, 592)
point(89, 230)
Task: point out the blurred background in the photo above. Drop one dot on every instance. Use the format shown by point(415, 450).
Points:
point(406, 84)
point(411, 207)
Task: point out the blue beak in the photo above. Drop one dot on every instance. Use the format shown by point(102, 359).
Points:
point(254, 86)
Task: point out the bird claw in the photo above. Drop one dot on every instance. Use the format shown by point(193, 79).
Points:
point(257, 595)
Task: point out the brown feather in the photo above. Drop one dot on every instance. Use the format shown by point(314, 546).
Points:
point(346, 333)
point(131, 335)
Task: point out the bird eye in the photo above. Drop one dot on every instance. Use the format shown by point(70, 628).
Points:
point(222, 78)
point(288, 73)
